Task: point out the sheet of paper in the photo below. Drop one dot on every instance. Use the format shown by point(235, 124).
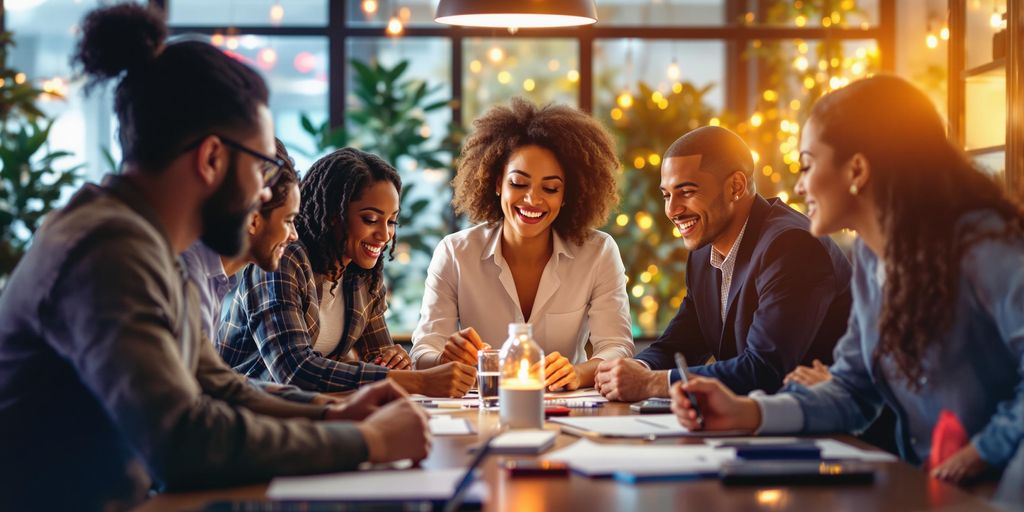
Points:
point(406, 485)
point(579, 393)
point(648, 425)
point(597, 459)
point(832, 449)
point(443, 425)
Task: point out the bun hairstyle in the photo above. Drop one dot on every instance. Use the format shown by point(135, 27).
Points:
point(169, 95)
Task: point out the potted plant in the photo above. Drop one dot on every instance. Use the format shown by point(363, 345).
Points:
point(30, 182)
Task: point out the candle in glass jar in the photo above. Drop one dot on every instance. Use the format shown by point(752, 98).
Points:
point(522, 400)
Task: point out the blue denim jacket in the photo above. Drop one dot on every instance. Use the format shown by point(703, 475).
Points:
point(974, 370)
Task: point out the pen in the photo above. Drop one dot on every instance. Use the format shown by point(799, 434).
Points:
point(574, 404)
point(681, 365)
point(441, 405)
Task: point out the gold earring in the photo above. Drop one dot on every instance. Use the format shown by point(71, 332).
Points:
point(854, 189)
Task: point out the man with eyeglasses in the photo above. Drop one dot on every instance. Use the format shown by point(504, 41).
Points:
point(108, 387)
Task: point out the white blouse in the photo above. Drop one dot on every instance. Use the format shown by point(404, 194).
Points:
point(581, 297)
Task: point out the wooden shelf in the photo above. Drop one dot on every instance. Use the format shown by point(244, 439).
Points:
point(986, 151)
point(994, 68)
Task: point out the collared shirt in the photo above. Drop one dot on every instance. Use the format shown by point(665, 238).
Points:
point(726, 264)
point(974, 367)
point(98, 314)
point(274, 318)
point(581, 297)
point(206, 269)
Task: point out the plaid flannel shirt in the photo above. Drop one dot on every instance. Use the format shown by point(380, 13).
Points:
point(274, 319)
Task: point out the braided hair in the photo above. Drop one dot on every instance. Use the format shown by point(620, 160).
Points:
point(329, 186)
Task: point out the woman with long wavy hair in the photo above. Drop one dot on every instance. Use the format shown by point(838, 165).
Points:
point(299, 324)
point(937, 326)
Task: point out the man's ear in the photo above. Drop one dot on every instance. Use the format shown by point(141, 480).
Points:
point(211, 160)
point(737, 185)
point(256, 224)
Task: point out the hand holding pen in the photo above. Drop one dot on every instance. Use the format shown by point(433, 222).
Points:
point(681, 366)
point(719, 408)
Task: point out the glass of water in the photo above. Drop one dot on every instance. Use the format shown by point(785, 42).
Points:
point(488, 370)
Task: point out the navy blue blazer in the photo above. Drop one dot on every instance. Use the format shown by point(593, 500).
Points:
point(789, 303)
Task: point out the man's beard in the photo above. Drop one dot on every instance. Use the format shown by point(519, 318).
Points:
point(225, 216)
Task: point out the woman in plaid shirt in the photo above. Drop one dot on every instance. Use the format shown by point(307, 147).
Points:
point(298, 324)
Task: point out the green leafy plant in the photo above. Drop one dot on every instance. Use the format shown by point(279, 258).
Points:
point(30, 183)
point(655, 257)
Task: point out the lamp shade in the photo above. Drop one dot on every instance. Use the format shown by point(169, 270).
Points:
point(516, 13)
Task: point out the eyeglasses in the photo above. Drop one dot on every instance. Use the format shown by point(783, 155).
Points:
point(270, 167)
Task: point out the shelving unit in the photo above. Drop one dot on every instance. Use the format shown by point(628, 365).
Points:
point(986, 100)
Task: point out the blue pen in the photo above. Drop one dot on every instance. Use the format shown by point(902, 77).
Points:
point(681, 365)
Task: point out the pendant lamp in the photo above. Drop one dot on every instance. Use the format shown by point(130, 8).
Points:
point(516, 13)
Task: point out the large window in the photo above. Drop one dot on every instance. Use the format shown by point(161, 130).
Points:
point(649, 70)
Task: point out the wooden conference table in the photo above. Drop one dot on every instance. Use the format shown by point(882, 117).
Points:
point(897, 486)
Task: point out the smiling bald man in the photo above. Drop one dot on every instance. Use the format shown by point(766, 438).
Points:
point(763, 294)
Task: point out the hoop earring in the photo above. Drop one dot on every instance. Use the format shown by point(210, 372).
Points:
point(854, 190)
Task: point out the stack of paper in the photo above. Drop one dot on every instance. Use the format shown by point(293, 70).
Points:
point(597, 460)
point(649, 425)
point(579, 393)
point(830, 448)
point(838, 450)
point(524, 441)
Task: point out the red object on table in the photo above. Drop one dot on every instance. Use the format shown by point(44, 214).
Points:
point(557, 410)
point(948, 437)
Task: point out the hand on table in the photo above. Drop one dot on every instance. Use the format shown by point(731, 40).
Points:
point(365, 402)
point(462, 347)
point(809, 375)
point(394, 357)
point(721, 409)
point(559, 373)
point(964, 464)
point(447, 380)
point(628, 380)
point(397, 431)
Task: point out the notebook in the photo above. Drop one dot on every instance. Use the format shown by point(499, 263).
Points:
point(524, 441)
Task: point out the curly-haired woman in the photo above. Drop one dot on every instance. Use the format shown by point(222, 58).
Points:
point(538, 180)
point(937, 325)
point(298, 324)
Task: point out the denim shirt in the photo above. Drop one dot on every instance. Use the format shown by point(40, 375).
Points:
point(974, 370)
